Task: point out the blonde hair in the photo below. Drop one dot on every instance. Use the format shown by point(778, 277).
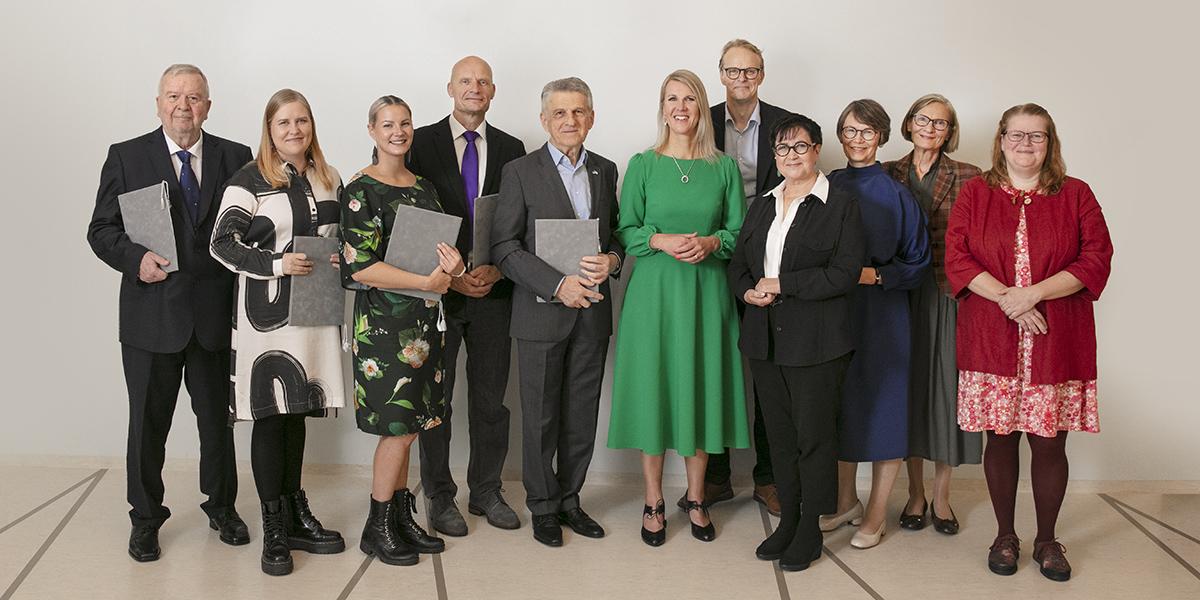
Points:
point(268, 161)
point(740, 43)
point(703, 144)
point(373, 112)
point(1054, 169)
point(951, 143)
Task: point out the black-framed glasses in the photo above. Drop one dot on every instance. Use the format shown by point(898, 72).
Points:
point(1035, 137)
point(752, 73)
point(921, 120)
point(849, 133)
point(801, 148)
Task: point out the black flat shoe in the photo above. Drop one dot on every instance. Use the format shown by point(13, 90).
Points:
point(946, 526)
point(787, 563)
point(143, 543)
point(230, 527)
point(547, 530)
point(774, 546)
point(581, 523)
point(706, 533)
point(654, 538)
point(914, 522)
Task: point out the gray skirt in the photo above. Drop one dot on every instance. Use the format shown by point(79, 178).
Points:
point(933, 431)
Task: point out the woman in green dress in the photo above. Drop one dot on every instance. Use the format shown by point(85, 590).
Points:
point(678, 374)
point(398, 339)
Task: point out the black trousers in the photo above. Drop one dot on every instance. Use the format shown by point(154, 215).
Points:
point(719, 471)
point(800, 407)
point(277, 455)
point(483, 324)
point(560, 402)
point(153, 380)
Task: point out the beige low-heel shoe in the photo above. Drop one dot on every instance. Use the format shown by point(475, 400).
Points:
point(862, 540)
point(853, 516)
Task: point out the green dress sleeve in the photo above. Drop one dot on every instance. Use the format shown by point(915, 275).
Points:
point(362, 232)
point(735, 208)
point(632, 230)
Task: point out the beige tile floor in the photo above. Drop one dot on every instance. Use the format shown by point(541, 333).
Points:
point(72, 545)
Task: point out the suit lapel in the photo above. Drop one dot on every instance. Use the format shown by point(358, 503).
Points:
point(161, 159)
point(902, 168)
point(718, 124)
point(595, 187)
point(550, 170)
point(492, 170)
point(943, 182)
point(210, 164)
point(444, 146)
point(766, 157)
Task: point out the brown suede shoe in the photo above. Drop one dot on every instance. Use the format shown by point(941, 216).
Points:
point(1005, 551)
point(768, 496)
point(1051, 559)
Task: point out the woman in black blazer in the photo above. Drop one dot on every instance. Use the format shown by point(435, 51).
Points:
point(799, 253)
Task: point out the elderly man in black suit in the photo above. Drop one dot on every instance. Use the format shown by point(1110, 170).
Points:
point(742, 126)
point(462, 155)
point(561, 326)
point(174, 326)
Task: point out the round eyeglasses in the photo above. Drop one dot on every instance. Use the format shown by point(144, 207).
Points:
point(849, 133)
point(752, 73)
point(801, 148)
point(1035, 137)
point(921, 120)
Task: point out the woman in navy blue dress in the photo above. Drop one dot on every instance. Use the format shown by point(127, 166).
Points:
point(874, 420)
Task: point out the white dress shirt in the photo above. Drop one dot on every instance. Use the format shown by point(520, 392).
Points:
point(460, 146)
point(782, 222)
point(195, 150)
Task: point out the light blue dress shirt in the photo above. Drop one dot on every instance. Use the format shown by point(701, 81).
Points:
point(575, 179)
point(742, 146)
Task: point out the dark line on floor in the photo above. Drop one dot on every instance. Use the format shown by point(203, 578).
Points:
point(439, 572)
point(357, 576)
point(859, 580)
point(1165, 548)
point(48, 502)
point(1160, 523)
point(780, 580)
point(53, 536)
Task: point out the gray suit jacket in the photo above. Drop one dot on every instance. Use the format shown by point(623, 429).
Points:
point(531, 189)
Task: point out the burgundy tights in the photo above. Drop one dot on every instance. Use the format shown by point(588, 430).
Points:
point(1002, 465)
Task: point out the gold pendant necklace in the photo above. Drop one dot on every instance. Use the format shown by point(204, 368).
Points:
point(683, 176)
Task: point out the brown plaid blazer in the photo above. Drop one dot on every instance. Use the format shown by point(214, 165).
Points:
point(951, 175)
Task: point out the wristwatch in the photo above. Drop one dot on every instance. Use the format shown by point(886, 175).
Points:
point(878, 279)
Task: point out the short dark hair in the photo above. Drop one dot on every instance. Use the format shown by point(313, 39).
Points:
point(792, 123)
point(871, 113)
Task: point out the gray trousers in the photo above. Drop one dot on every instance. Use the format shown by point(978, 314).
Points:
point(560, 401)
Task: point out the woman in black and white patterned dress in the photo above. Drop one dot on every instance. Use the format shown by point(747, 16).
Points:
point(281, 373)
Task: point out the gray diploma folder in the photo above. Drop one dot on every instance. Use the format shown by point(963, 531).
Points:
point(317, 298)
point(562, 243)
point(413, 243)
point(481, 243)
point(147, 217)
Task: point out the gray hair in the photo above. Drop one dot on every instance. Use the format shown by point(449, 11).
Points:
point(567, 84)
point(182, 69)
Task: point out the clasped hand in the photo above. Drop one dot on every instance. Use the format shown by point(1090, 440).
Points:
point(763, 293)
point(449, 262)
point(1018, 304)
point(687, 247)
point(573, 292)
point(477, 282)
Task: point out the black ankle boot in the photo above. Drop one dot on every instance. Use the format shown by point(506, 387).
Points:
point(305, 531)
point(276, 559)
point(773, 547)
point(379, 536)
point(406, 526)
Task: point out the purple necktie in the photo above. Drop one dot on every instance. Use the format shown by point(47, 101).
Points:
point(470, 172)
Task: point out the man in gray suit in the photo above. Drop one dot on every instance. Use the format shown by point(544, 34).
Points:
point(561, 326)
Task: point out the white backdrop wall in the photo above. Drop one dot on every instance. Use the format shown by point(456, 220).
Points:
point(79, 76)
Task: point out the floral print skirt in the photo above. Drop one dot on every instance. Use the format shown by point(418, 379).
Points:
point(990, 402)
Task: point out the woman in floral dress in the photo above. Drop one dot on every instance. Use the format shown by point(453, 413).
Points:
point(397, 339)
point(1028, 251)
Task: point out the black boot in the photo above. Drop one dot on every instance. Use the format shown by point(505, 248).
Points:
point(406, 526)
point(305, 531)
point(773, 547)
point(379, 536)
point(276, 559)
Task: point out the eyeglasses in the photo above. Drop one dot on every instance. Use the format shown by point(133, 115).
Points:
point(752, 73)
point(1035, 137)
point(801, 148)
point(921, 120)
point(849, 133)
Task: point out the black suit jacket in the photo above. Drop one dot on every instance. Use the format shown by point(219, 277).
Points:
point(532, 189)
point(432, 156)
point(161, 317)
point(823, 256)
point(768, 176)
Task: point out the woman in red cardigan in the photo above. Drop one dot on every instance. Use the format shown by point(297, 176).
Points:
point(1027, 251)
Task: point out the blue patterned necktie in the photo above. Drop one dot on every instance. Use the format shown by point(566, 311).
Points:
point(191, 187)
point(470, 172)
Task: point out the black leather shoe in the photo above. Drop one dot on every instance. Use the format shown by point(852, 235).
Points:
point(713, 493)
point(305, 531)
point(380, 538)
point(654, 538)
point(946, 526)
point(143, 543)
point(706, 533)
point(407, 528)
point(773, 547)
point(546, 530)
point(581, 523)
point(914, 522)
point(787, 563)
point(445, 516)
point(230, 527)
point(498, 512)
point(276, 557)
